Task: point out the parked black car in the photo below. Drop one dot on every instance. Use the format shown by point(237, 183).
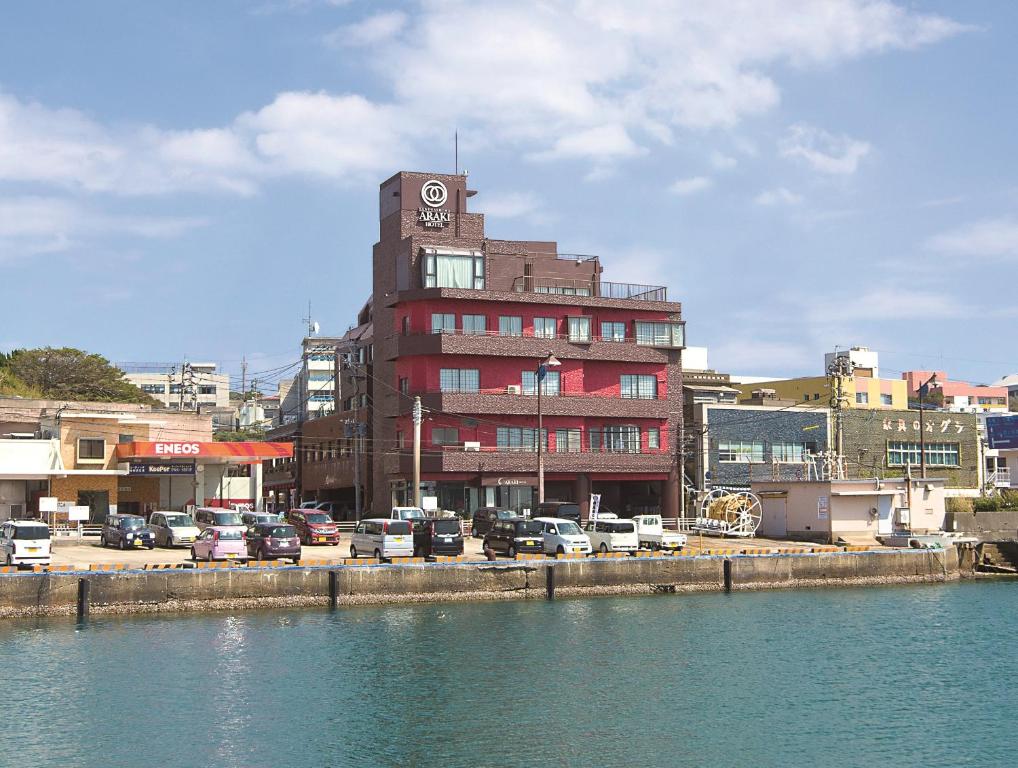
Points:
point(437, 536)
point(567, 510)
point(484, 517)
point(127, 531)
point(514, 536)
point(268, 541)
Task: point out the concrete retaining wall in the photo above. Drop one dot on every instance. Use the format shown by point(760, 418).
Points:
point(152, 591)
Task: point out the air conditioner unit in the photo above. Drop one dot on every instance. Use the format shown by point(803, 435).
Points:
point(513, 389)
point(471, 446)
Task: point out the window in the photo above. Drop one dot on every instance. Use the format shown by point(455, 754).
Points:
point(862, 398)
point(639, 387)
point(399, 440)
point(154, 389)
point(510, 326)
point(404, 385)
point(91, 449)
point(443, 270)
point(545, 327)
point(654, 438)
point(445, 436)
point(550, 385)
point(620, 439)
point(176, 389)
point(886, 400)
point(237, 470)
point(459, 379)
point(937, 454)
point(613, 331)
point(792, 453)
point(320, 398)
point(315, 376)
point(475, 325)
point(579, 330)
point(660, 334)
point(567, 441)
point(519, 439)
point(443, 323)
point(406, 325)
point(740, 451)
point(562, 291)
point(207, 389)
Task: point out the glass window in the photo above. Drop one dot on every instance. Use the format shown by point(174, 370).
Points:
point(616, 439)
point(453, 271)
point(792, 453)
point(519, 439)
point(740, 451)
point(404, 386)
point(660, 334)
point(443, 323)
point(639, 387)
point(207, 389)
point(579, 329)
point(154, 389)
point(550, 385)
point(613, 331)
point(862, 398)
point(510, 326)
point(459, 379)
point(886, 400)
point(654, 438)
point(567, 441)
point(91, 448)
point(475, 325)
point(937, 454)
point(545, 327)
point(445, 435)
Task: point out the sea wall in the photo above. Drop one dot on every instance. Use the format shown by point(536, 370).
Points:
point(33, 594)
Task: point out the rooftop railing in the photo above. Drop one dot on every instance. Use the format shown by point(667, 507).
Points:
point(564, 286)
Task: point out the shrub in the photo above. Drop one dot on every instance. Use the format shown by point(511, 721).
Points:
point(959, 505)
point(987, 504)
point(1008, 498)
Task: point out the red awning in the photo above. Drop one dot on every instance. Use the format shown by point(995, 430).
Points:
point(195, 450)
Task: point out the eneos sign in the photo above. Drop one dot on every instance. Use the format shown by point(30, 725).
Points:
point(176, 449)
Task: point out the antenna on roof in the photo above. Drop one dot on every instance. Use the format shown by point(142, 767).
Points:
point(456, 149)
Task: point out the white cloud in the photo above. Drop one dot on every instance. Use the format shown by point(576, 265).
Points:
point(510, 205)
point(690, 186)
point(603, 142)
point(822, 151)
point(721, 161)
point(777, 196)
point(882, 304)
point(989, 238)
point(37, 225)
point(371, 31)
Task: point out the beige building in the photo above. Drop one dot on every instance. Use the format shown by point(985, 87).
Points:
point(852, 510)
point(181, 387)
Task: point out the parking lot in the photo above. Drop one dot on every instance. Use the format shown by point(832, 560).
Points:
point(88, 552)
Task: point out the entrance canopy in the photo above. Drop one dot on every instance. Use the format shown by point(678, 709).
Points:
point(225, 452)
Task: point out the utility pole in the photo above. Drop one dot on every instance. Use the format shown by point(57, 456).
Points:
point(840, 367)
point(418, 418)
point(539, 376)
point(922, 425)
point(298, 440)
point(243, 376)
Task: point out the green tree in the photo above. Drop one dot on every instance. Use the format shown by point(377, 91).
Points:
point(72, 374)
point(1012, 403)
point(250, 434)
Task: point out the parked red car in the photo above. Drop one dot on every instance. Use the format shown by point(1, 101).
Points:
point(313, 527)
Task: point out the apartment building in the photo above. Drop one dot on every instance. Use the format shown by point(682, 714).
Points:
point(181, 387)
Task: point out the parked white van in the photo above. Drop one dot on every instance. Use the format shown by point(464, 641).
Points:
point(613, 535)
point(563, 536)
point(25, 542)
point(382, 538)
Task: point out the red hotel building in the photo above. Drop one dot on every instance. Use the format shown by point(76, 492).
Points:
point(463, 321)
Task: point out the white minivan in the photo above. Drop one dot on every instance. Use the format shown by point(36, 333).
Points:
point(25, 542)
point(382, 538)
point(563, 536)
point(613, 535)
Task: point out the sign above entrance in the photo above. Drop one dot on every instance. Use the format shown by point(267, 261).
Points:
point(508, 481)
point(173, 468)
point(189, 450)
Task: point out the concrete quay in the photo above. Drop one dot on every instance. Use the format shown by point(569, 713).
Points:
point(238, 588)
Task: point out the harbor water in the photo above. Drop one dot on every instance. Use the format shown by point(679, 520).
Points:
point(902, 676)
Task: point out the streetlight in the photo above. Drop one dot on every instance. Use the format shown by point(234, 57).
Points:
point(922, 432)
point(542, 371)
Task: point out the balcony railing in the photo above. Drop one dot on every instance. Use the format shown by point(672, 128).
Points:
point(1001, 477)
point(600, 288)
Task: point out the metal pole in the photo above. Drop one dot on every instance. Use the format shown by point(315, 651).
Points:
point(418, 417)
point(728, 574)
point(83, 590)
point(549, 573)
point(922, 440)
point(540, 451)
point(333, 589)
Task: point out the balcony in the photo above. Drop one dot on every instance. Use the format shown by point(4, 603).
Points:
point(530, 346)
point(564, 286)
point(1000, 477)
point(450, 459)
point(502, 403)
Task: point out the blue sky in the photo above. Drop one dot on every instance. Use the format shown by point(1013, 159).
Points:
point(180, 179)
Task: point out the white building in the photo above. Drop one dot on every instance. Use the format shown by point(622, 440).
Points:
point(180, 387)
point(860, 357)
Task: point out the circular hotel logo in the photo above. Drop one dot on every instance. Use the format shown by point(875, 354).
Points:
point(434, 193)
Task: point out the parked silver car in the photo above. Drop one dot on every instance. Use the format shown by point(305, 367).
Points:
point(173, 529)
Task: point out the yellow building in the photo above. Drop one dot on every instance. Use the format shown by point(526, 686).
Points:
point(860, 391)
